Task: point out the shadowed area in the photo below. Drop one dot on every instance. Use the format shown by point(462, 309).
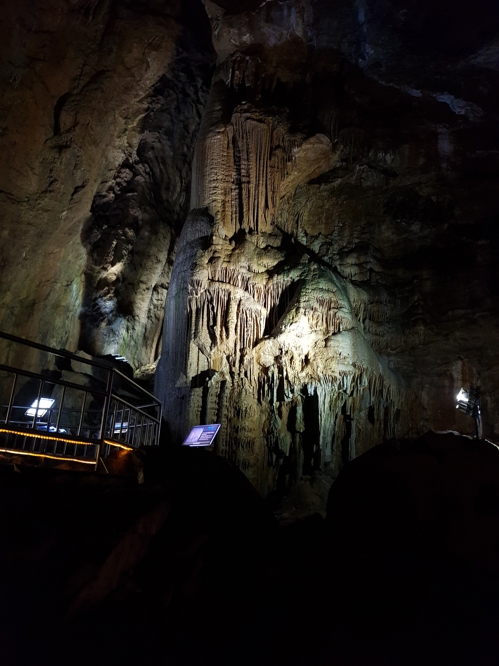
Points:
point(192, 568)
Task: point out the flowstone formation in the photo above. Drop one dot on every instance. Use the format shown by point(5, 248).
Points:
point(261, 333)
point(272, 345)
point(311, 305)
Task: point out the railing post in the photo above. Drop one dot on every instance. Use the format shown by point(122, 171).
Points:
point(11, 400)
point(82, 413)
point(37, 408)
point(105, 413)
point(59, 413)
point(142, 428)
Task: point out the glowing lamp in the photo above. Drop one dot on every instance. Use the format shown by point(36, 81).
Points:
point(118, 357)
point(469, 403)
point(40, 407)
point(120, 427)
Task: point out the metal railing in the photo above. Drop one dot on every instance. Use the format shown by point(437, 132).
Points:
point(70, 407)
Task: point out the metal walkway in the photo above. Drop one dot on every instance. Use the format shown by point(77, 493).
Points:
point(74, 409)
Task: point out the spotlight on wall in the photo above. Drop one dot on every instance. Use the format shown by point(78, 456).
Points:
point(469, 403)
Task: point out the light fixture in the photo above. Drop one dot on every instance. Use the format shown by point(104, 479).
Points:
point(40, 407)
point(36, 435)
point(110, 442)
point(469, 403)
point(47, 455)
point(120, 427)
point(118, 357)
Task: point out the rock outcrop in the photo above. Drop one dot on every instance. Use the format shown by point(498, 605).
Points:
point(412, 527)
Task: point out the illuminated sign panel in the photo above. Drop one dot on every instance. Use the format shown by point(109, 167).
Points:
point(202, 435)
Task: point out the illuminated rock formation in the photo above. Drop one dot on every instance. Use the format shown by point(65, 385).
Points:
point(260, 334)
point(310, 186)
point(297, 315)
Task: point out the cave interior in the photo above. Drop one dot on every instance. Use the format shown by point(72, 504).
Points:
point(280, 216)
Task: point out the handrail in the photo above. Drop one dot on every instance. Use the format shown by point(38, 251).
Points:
point(57, 352)
point(51, 380)
point(56, 409)
point(134, 384)
point(105, 365)
point(32, 436)
point(136, 409)
point(64, 437)
point(149, 404)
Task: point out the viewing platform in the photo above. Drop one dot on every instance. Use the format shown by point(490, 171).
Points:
point(70, 410)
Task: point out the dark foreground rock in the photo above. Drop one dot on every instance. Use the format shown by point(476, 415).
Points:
point(102, 570)
point(413, 533)
point(191, 568)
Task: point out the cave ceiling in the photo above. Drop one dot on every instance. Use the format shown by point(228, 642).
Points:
point(293, 205)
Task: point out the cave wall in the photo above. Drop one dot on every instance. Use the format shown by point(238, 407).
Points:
point(329, 291)
point(307, 192)
point(95, 170)
point(135, 221)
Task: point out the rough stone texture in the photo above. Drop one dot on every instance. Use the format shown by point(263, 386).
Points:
point(131, 237)
point(335, 280)
point(343, 284)
point(89, 90)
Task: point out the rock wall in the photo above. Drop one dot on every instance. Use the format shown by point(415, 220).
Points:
point(327, 290)
point(316, 214)
point(88, 199)
point(130, 238)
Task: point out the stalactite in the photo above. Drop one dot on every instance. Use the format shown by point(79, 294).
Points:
point(323, 314)
point(218, 192)
point(267, 295)
point(352, 139)
point(330, 118)
point(253, 140)
point(239, 68)
point(263, 334)
point(263, 153)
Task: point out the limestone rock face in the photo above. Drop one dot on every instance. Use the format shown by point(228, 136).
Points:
point(131, 236)
point(306, 189)
point(90, 91)
point(327, 291)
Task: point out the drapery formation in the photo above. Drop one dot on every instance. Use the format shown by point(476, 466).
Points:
point(261, 334)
